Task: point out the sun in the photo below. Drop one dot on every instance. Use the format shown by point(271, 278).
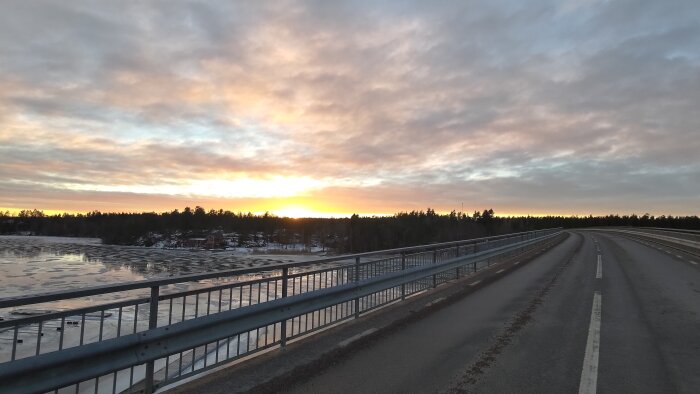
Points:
point(296, 211)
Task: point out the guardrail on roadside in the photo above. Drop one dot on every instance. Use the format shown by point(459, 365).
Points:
point(689, 244)
point(165, 330)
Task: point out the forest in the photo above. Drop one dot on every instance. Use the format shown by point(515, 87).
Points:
point(342, 235)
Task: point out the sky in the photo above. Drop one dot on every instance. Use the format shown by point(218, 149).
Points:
point(317, 108)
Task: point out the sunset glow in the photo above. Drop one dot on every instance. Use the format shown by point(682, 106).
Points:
point(329, 109)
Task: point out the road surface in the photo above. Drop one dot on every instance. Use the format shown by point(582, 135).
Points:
point(597, 313)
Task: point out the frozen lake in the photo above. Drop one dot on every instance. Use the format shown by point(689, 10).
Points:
point(30, 265)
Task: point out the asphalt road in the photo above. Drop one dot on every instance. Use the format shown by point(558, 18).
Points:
point(562, 323)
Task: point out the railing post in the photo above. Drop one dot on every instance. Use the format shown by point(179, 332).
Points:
point(152, 323)
point(357, 279)
point(403, 268)
point(434, 275)
point(283, 323)
point(488, 259)
point(457, 269)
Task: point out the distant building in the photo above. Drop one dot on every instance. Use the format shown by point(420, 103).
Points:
point(215, 240)
point(194, 242)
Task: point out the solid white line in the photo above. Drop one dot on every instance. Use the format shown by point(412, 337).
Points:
point(599, 271)
point(589, 373)
point(499, 271)
point(475, 283)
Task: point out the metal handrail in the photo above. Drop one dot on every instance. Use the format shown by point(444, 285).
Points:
point(149, 283)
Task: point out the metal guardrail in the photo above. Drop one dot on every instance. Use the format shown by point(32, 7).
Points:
point(166, 331)
point(688, 245)
point(666, 229)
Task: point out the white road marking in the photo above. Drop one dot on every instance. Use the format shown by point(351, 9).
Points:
point(599, 271)
point(499, 271)
point(693, 262)
point(589, 373)
point(475, 283)
point(679, 256)
point(516, 263)
point(435, 301)
point(356, 337)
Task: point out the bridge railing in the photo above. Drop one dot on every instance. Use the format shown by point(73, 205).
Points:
point(143, 335)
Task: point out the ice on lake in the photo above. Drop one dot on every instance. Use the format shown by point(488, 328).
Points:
point(30, 265)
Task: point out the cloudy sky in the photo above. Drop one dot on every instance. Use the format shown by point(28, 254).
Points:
point(528, 107)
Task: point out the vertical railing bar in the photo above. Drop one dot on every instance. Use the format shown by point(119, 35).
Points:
point(63, 328)
point(221, 294)
point(114, 383)
point(403, 268)
point(170, 312)
point(208, 302)
point(38, 337)
point(283, 323)
point(194, 350)
point(434, 275)
point(274, 327)
point(179, 368)
point(102, 320)
point(82, 329)
point(119, 322)
point(15, 334)
point(357, 279)
point(136, 317)
point(206, 351)
point(167, 365)
point(228, 347)
point(184, 303)
point(152, 323)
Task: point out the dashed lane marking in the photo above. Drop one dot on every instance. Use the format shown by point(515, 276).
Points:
point(599, 271)
point(499, 271)
point(475, 283)
point(357, 337)
point(693, 262)
point(589, 373)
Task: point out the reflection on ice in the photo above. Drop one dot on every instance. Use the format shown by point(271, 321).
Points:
point(30, 265)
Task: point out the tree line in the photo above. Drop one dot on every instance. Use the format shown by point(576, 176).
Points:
point(354, 234)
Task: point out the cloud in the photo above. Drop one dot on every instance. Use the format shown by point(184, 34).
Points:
point(572, 107)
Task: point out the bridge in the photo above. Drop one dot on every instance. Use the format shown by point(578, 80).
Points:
point(614, 310)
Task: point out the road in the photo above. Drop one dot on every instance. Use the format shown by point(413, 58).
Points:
point(597, 313)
